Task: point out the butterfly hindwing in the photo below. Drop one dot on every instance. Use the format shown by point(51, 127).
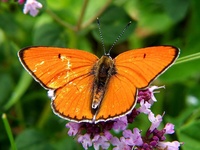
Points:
point(73, 101)
point(120, 98)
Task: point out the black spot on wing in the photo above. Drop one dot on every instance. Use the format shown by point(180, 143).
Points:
point(144, 56)
point(59, 55)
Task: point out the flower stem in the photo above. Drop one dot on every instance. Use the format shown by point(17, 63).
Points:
point(195, 115)
point(79, 24)
point(96, 15)
point(85, 4)
point(56, 18)
point(9, 132)
point(188, 58)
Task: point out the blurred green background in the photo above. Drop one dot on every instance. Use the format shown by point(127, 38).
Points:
point(72, 24)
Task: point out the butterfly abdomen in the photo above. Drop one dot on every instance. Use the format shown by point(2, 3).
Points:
point(102, 70)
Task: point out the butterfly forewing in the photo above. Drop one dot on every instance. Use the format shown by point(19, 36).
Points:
point(142, 66)
point(68, 75)
point(54, 67)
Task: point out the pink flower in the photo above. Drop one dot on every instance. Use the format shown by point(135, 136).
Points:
point(73, 128)
point(169, 128)
point(21, 1)
point(144, 107)
point(120, 124)
point(85, 140)
point(120, 144)
point(108, 135)
point(155, 121)
point(100, 141)
point(169, 145)
point(133, 138)
point(152, 91)
point(32, 7)
point(100, 135)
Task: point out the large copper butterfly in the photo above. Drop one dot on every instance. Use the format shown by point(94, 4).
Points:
point(85, 88)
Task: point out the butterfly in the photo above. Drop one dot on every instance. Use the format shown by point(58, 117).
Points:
point(85, 88)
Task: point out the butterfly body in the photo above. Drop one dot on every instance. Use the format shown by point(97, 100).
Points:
point(103, 70)
point(84, 88)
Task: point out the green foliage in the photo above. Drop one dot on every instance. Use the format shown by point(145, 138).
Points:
point(188, 133)
point(73, 24)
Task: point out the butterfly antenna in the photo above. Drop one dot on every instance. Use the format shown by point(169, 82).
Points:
point(119, 37)
point(98, 22)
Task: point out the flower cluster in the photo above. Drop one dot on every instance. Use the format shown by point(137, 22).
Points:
point(30, 6)
point(100, 136)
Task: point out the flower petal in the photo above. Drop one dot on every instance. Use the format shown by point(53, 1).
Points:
point(32, 7)
point(154, 120)
point(169, 128)
point(85, 140)
point(73, 128)
point(169, 145)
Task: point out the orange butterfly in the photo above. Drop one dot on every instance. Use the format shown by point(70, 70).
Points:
point(84, 88)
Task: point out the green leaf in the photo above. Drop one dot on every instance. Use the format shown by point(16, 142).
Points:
point(188, 69)
point(92, 9)
point(5, 81)
point(112, 24)
point(176, 9)
point(32, 139)
point(157, 16)
point(68, 143)
point(8, 24)
point(49, 34)
point(19, 90)
point(68, 10)
point(189, 134)
point(180, 72)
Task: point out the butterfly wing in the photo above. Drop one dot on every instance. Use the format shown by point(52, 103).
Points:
point(73, 101)
point(53, 67)
point(135, 69)
point(142, 66)
point(119, 99)
point(66, 73)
